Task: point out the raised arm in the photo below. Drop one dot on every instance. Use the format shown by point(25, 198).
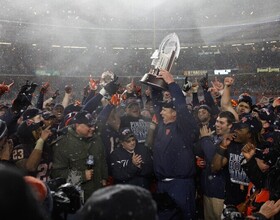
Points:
point(226, 97)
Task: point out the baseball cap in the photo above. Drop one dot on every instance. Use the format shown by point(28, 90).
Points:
point(72, 108)
point(245, 97)
point(47, 115)
point(206, 107)
point(248, 121)
point(31, 113)
point(25, 131)
point(125, 134)
point(168, 104)
point(83, 117)
point(269, 155)
point(132, 101)
point(58, 105)
point(265, 115)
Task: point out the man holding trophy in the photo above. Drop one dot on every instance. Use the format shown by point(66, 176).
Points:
point(174, 160)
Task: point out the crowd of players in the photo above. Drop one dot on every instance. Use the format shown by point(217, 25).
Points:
point(218, 153)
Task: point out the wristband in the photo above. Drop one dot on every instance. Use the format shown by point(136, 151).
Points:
point(222, 151)
point(259, 216)
point(102, 92)
point(39, 144)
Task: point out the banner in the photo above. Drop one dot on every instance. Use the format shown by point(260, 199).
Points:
point(268, 70)
point(195, 72)
point(40, 72)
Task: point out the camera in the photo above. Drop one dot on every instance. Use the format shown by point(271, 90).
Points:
point(66, 197)
point(232, 213)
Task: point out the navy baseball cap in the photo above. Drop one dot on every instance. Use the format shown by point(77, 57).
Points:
point(248, 121)
point(125, 134)
point(168, 104)
point(31, 113)
point(245, 97)
point(83, 117)
point(269, 155)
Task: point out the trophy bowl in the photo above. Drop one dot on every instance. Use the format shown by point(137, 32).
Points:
point(152, 80)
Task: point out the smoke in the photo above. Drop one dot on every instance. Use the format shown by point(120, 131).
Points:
point(98, 26)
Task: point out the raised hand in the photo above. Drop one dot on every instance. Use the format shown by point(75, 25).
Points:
point(5, 88)
point(248, 151)
point(112, 87)
point(68, 89)
point(276, 102)
point(115, 99)
point(217, 84)
point(188, 85)
point(228, 81)
point(93, 84)
point(166, 76)
point(204, 82)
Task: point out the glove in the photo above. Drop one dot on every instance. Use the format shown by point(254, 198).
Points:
point(32, 87)
point(93, 84)
point(115, 99)
point(204, 83)
point(44, 88)
point(200, 162)
point(5, 88)
point(21, 103)
point(28, 88)
point(86, 90)
point(68, 89)
point(187, 86)
point(55, 94)
point(25, 87)
point(112, 87)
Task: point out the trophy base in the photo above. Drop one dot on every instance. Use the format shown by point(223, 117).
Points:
point(152, 80)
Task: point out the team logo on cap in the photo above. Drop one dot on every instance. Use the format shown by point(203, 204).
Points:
point(88, 116)
point(125, 131)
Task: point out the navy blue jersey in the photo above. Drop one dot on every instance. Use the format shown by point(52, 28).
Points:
point(138, 125)
point(23, 151)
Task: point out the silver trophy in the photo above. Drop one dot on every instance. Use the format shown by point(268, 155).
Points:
point(163, 58)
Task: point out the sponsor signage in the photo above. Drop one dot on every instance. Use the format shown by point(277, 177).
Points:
point(268, 70)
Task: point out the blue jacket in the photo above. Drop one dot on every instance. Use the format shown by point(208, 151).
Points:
point(212, 184)
point(173, 147)
point(125, 172)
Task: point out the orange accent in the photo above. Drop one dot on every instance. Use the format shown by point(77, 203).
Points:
point(5, 88)
point(110, 181)
point(234, 103)
point(38, 187)
point(261, 197)
point(115, 99)
point(93, 83)
point(154, 119)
